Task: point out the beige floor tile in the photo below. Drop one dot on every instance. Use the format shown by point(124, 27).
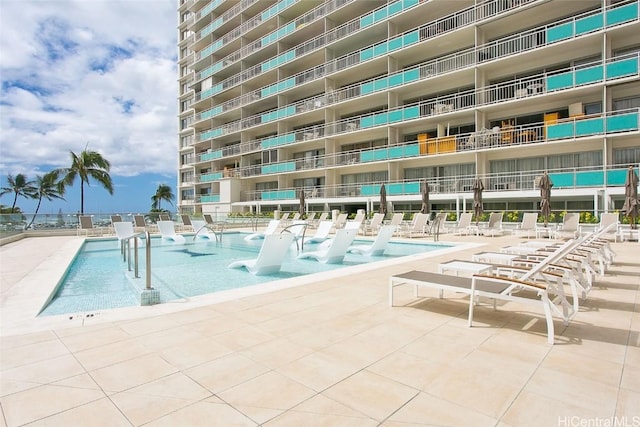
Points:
point(407, 369)
point(12, 341)
point(371, 394)
point(608, 373)
point(242, 338)
point(31, 353)
point(94, 338)
point(225, 323)
point(19, 408)
point(631, 378)
point(46, 371)
point(100, 413)
point(226, 372)
point(149, 325)
point(320, 404)
point(132, 373)
point(79, 381)
point(628, 406)
point(466, 385)
point(276, 352)
point(202, 414)
point(319, 370)
point(109, 354)
point(535, 410)
point(8, 386)
point(269, 390)
point(294, 418)
point(425, 409)
point(194, 352)
point(573, 390)
point(158, 341)
point(158, 398)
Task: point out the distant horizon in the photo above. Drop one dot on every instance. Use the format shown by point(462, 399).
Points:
point(131, 195)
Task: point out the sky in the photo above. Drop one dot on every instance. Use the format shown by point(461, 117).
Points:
point(95, 74)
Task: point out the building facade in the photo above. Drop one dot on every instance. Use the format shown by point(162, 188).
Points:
point(335, 98)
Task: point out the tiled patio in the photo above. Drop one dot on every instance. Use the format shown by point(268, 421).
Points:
point(328, 353)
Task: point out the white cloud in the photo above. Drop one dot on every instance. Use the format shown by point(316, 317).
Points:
point(97, 72)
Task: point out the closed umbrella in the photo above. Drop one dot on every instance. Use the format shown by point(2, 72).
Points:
point(630, 207)
point(383, 200)
point(424, 192)
point(301, 209)
point(545, 185)
point(477, 188)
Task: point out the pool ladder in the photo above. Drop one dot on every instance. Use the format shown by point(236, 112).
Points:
point(125, 249)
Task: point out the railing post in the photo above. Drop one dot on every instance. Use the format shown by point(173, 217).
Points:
point(148, 266)
point(135, 263)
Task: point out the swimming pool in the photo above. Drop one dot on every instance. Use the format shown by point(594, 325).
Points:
point(98, 278)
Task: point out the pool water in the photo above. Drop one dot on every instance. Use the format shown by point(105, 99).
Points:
point(98, 278)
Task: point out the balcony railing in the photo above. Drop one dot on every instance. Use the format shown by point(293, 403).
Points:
point(515, 181)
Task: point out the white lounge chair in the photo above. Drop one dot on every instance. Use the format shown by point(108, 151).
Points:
point(570, 226)
point(272, 227)
point(417, 226)
point(374, 225)
point(336, 250)
point(272, 253)
point(613, 232)
point(322, 232)
point(500, 287)
point(378, 246)
point(528, 225)
point(168, 232)
point(464, 224)
point(340, 221)
point(494, 226)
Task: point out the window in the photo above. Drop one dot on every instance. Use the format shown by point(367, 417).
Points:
point(626, 156)
point(625, 103)
point(271, 185)
point(269, 156)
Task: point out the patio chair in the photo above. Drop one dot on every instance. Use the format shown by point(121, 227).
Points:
point(378, 246)
point(140, 224)
point(570, 226)
point(374, 225)
point(396, 219)
point(272, 253)
point(186, 222)
point(168, 232)
point(464, 224)
point(546, 295)
point(322, 232)
point(85, 225)
point(165, 217)
point(494, 226)
point(116, 218)
point(272, 227)
point(417, 226)
point(528, 225)
point(613, 232)
point(208, 218)
point(336, 249)
point(340, 221)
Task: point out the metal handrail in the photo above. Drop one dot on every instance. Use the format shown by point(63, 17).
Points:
point(287, 229)
point(217, 232)
point(126, 253)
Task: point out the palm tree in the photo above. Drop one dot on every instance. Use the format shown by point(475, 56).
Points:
point(48, 187)
point(85, 165)
point(163, 192)
point(19, 186)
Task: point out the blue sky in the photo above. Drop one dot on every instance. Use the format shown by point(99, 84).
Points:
point(96, 73)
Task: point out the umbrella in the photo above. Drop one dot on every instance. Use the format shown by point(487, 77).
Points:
point(424, 191)
point(630, 207)
point(301, 207)
point(383, 200)
point(545, 185)
point(477, 188)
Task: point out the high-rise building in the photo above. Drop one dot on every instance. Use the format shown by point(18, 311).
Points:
point(334, 98)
